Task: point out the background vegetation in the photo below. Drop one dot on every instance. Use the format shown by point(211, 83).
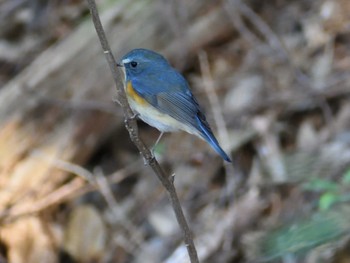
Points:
point(273, 78)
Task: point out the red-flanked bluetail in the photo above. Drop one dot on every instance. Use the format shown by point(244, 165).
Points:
point(162, 98)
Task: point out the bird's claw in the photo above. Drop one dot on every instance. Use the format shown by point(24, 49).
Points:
point(135, 116)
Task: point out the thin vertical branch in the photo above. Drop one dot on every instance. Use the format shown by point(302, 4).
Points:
point(131, 126)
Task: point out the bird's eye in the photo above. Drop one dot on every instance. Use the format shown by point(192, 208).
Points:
point(133, 64)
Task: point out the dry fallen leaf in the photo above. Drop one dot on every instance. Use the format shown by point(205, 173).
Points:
point(85, 235)
point(27, 241)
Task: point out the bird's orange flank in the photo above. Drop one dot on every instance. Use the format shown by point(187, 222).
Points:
point(133, 94)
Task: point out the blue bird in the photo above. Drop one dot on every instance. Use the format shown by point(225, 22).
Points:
point(162, 98)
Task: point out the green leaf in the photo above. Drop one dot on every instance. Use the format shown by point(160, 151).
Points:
point(321, 185)
point(304, 235)
point(159, 149)
point(346, 177)
point(327, 200)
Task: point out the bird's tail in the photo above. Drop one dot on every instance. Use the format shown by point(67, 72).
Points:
point(208, 136)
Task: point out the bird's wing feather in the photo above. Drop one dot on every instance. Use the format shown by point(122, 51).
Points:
point(170, 94)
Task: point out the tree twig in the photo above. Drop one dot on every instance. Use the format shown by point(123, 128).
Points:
point(131, 126)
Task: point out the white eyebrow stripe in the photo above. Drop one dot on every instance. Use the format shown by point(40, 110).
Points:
point(126, 60)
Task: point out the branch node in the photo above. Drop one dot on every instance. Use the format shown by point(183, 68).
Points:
point(172, 178)
point(116, 100)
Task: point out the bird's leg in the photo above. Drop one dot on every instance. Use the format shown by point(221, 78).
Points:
point(133, 117)
point(155, 145)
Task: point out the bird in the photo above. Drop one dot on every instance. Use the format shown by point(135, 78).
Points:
point(160, 96)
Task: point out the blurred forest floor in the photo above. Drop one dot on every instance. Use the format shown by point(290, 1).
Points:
point(274, 80)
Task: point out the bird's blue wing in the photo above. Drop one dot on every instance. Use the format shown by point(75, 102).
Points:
point(171, 95)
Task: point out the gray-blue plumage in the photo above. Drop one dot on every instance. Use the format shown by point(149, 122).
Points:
point(153, 78)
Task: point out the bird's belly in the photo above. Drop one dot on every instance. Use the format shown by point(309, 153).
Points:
point(152, 116)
